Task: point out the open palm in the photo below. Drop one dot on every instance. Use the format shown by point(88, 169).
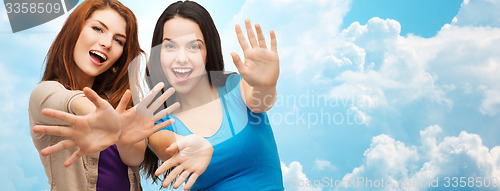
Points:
point(261, 65)
point(91, 133)
point(138, 122)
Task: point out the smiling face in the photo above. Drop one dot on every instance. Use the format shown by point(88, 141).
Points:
point(100, 44)
point(183, 54)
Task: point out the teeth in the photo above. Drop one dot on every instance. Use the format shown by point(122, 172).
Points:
point(103, 56)
point(182, 70)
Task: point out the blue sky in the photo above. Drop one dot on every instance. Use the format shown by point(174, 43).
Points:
point(393, 90)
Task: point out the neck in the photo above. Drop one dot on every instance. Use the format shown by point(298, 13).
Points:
point(201, 94)
point(85, 83)
point(84, 80)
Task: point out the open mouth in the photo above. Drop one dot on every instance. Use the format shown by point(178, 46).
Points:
point(182, 74)
point(98, 57)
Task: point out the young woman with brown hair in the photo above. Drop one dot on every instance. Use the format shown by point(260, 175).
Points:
point(102, 146)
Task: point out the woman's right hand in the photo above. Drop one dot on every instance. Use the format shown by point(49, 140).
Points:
point(91, 133)
point(138, 122)
point(191, 156)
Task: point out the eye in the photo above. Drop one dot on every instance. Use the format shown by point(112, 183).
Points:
point(97, 29)
point(194, 47)
point(119, 41)
point(169, 46)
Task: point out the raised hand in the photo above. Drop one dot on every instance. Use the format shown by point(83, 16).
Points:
point(138, 121)
point(191, 156)
point(91, 133)
point(261, 65)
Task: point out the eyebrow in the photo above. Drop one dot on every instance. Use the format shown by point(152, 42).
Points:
point(171, 40)
point(105, 26)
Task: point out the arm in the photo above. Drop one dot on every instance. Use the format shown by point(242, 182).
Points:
point(258, 99)
point(91, 133)
point(105, 126)
point(160, 141)
point(132, 155)
point(260, 70)
point(82, 106)
point(189, 154)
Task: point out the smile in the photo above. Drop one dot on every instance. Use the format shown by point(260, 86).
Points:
point(182, 74)
point(98, 57)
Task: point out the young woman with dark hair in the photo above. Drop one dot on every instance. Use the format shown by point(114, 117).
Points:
point(228, 110)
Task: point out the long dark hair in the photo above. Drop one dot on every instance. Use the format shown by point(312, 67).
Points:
point(60, 64)
point(214, 61)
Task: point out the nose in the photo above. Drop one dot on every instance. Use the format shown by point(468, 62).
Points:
point(181, 57)
point(105, 41)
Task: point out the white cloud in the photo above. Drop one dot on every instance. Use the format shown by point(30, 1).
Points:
point(373, 63)
point(404, 69)
point(17, 169)
point(4, 20)
point(478, 13)
point(490, 105)
point(295, 179)
point(401, 71)
point(360, 117)
point(321, 164)
point(393, 161)
point(303, 35)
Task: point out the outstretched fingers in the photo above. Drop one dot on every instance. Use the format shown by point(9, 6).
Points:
point(94, 98)
point(151, 95)
point(166, 165)
point(184, 175)
point(166, 111)
point(191, 181)
point(54, 130)
point(238, 63)
point(62, 145)
point(158, 102)
point(60, 115)
point(260, 36)
point(124, 101)
point(241, 38)
point(251, 35)
point(172, 175)
point(274, 43)
point(77, 154)
point(162, 125)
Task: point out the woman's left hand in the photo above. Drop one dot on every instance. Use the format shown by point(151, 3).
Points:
point(190, 156)
point(261, 65)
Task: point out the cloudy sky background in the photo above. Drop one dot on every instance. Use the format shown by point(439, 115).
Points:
point(396, 90)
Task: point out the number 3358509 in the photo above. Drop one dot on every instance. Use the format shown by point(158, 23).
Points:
point(471, 182)
point(25, 8)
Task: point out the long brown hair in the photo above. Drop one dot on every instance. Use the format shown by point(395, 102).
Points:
point(60, 64)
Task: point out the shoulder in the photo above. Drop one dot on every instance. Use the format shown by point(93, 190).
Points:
point(52, 89)
point(45, 88)
point(47, 85)
point(232, 81)
point(51, 94)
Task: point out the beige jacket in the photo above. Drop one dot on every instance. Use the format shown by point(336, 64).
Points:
point(82, 175)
